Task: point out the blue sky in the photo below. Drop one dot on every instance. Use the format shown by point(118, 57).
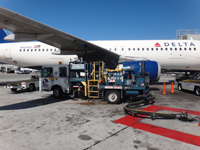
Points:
point(112, 19)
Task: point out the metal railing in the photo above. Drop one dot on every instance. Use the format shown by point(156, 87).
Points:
point(182, 32)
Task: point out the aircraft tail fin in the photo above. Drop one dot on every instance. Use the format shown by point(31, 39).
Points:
point(3, 34)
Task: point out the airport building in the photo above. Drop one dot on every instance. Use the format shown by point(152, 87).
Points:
point(188, 34)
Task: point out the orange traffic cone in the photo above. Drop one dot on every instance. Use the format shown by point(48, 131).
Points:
point(164, 90)
point(172, 88)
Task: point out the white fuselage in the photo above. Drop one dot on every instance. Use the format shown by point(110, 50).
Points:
point(170, 54)
point(31, 54)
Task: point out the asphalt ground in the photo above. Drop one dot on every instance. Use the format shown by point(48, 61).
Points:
point(36, 121)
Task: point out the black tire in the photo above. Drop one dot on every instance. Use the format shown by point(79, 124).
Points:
point(197, 91)
point(112, 97)
point(31, 87)
point(180, 87)
point(57, 92)
point(13, 89)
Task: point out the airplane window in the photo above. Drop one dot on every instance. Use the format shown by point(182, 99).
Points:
point(195, 49)
point(171, 49)
point(166, 49)
point(147, 48)
point(129, 49)
point(161, 49)
point(51, 49)
point(54, 49)
point(20, 50)
point(138, 49)
point(156, 48)
point(31, 50)
point(35, 50)
point(175, 49)
point(47, 50)
point(43, 50)
point(27, 50)
point(24, 50)
point(152, 49)
point(133, 49)
point(190, 49)
point(180, 49)
point(122, 49)
point(38, 49)
point(142, 48)
point(185, 49)
point(115, 49)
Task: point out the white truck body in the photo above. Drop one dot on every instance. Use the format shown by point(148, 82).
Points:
point(53, 76)
point(13, 87)
point(29, 85)
point(190, 85)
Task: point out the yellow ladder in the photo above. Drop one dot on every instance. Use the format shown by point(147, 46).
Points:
point(93, 88)
point(93, 83)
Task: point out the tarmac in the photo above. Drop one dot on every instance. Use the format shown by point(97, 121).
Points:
point(37, 121)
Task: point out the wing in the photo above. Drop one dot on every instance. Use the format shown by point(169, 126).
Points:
point(26, 29)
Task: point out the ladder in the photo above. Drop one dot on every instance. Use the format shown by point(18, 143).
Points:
point(96, 69)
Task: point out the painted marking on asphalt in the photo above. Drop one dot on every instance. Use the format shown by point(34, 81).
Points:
point(176, 135)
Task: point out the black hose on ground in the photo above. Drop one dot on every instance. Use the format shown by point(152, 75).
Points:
point(130, 110)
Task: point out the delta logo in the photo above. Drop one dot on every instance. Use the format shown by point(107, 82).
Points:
point(175, 44)
point(157, 45)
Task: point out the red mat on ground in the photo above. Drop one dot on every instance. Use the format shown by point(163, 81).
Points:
point(134, 122)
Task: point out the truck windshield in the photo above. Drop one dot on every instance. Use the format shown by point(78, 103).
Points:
point(47, 72)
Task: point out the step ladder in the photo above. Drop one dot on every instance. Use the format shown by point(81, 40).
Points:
point(96, 69)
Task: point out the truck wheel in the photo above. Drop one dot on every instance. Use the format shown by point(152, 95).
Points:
point(197, 91)
point(180, 87)
point(31, 87)
point(112, 97)
point(57, 92)
point(13, 89)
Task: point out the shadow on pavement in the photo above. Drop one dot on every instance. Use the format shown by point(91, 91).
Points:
point(49, 99)
point(161, 83)
point(154, 89)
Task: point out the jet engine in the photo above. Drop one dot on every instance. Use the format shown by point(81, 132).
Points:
point(151, 67)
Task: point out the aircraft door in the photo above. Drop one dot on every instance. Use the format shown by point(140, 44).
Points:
point(177, 58)
point(8, 51)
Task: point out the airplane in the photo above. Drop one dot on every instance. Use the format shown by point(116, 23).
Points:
point(54, 46)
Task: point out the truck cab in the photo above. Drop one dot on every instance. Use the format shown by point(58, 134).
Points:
point(55, 78)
